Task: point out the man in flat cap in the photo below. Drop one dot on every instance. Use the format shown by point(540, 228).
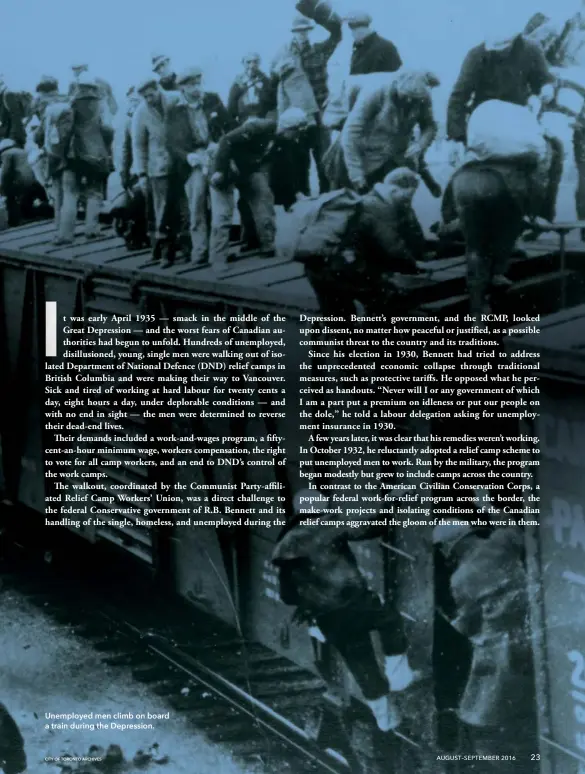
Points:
point(167, 78)
point(371, 52)
point(153, 165)
point(108, 101)
point(196, 122)
point(312, 59)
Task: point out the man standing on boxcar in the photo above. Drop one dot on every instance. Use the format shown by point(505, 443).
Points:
point(161, 66)
point(371, 52)
point(252, 94)
point(243, 160)
point(89, 158)
point(196, 122)
point(154, 167)
point(312, 59)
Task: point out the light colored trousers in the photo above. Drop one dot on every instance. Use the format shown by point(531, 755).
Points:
point(66, 192)
point(197, 190)
point(256, 191)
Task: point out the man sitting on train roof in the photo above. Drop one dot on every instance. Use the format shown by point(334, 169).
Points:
point(18, 183)
point(489, 588)
point(320, 576)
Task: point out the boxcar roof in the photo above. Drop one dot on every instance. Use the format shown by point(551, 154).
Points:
point(269, 282)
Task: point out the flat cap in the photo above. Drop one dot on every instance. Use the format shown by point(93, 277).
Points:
point(147, 83)
point(47, 84)
point(191, 74)
point(302, 23)
point(358, 19)
point(158, 59)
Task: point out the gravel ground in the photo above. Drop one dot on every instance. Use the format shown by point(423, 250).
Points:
point(44, 668)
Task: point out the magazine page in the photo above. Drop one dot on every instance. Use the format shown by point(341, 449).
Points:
point(292, 421)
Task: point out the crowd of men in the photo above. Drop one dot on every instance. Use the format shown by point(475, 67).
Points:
point(182, 153)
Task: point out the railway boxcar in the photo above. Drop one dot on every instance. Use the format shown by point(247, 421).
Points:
point(223, 571)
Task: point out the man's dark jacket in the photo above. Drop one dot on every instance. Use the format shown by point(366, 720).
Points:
point(16, 175)
point(512, 76)
point(374, 54)
point(246, 147)
point(238, 110)
point(180, 138)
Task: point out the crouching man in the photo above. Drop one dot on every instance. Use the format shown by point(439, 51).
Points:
point(320, 576)
point(243, 161)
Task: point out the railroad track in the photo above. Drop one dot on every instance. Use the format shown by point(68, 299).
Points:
point(240, 695)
